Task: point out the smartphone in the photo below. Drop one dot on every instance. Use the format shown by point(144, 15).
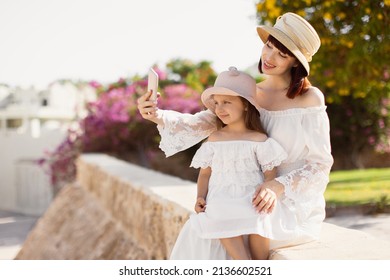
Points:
point(152, 83)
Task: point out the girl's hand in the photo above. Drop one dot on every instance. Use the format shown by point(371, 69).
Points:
point(200, 205)
point(265, 196)
point(148, 108)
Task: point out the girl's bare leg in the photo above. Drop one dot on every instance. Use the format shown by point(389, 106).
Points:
point(259, 247)
point(235, 247)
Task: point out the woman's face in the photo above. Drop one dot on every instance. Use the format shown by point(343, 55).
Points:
point(275, 62)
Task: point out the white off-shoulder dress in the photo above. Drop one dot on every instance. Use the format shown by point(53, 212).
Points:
point(304, 135)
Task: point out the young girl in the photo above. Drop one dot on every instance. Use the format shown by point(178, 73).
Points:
point(234, 161)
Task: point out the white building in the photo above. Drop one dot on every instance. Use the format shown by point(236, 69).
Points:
point(30, 124)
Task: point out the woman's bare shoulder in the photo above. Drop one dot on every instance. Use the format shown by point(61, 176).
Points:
point(312, 97)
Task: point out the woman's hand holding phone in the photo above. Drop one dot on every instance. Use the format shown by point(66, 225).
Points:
point(147, 103)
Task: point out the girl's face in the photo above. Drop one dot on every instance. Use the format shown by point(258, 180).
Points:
point(229, 109)
point(275, 62)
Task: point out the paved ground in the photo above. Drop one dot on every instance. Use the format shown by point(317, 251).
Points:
point(376, 225)
point(14, 229)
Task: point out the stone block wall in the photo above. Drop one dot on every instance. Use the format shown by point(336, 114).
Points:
point(117, 210)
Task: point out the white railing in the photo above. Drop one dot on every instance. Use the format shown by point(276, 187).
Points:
point(15, 148)
point(33, 188)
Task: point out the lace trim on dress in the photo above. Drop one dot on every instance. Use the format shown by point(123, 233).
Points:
point(271, 155)
point(241, 156)
point(200, 164)
point(306, 182)
point(235, 165)
point(181, 131)
point(271, 165)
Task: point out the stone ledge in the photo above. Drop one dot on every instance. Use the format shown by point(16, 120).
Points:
point(337, 243)
point(147, 204)
point(136, 213)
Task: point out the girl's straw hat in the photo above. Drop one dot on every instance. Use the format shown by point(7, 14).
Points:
point(234, 83)
point(296, 34)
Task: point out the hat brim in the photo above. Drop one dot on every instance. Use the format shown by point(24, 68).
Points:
point(264, 31)
point(209, 102)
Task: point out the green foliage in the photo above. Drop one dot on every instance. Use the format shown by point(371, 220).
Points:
point(351, 67)
point(356, 187)
point(197, 76)
point(382, 203)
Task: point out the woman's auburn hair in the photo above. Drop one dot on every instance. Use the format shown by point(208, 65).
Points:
point(252, 117)
point(299, 82)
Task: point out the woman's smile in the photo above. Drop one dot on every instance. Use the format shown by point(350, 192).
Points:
point(267, 65)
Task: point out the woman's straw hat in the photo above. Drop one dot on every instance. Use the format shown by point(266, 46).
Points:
point(296, 34)
point(234, 83)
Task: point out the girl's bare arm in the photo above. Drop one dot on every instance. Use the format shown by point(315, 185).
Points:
point(203, 187)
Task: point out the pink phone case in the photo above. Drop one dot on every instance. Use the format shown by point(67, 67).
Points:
point(153, 83)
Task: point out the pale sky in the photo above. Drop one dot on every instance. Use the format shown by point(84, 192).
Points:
point(46, 40)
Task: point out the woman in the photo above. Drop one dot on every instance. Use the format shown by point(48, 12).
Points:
point(292, 112)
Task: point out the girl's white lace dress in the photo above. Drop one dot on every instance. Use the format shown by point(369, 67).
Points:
point(304, 135)
point(237, 168)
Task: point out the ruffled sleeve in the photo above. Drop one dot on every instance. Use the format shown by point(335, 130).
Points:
point(270, 154)
point(310, 181)
point(181, 131)
point(203, 156)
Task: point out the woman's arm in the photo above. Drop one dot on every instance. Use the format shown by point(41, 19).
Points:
point(178, 131)
point(181, 131)
point(311, 179)
point(304, 184)
point(265, 196)
point(203, 186)
point(269, 175)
